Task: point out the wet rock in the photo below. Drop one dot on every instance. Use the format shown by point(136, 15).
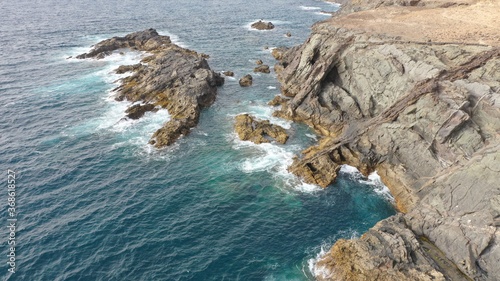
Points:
point(177, 79)
point(288, 34)
point(278, 53)
point(258, 131)
point(260, 25)
point(228, 73)
point(138, 110)
point(246, 81)
point(278, 100)
point(262, 68)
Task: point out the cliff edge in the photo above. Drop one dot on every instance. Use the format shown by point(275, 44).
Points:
point(410, 89)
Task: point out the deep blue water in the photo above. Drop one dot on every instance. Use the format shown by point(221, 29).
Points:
point(95, 202)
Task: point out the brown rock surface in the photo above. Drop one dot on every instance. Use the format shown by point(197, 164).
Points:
point(261, 25)
point(172, 77)
point(262, 68)
point(258, 131)
point(278, 100)
point(246, 81)
point(412, 91)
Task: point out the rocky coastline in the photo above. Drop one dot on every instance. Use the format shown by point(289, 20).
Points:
point(393, 87)
point(170, 77)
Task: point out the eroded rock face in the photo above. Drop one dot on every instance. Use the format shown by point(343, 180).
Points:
point(261, 25)
point(258, 131)
point(171, 77)
point(424, 115)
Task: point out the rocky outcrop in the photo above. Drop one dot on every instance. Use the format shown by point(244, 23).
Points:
point(278, 100)
point(423, 112)
point(138, 110)
point(228, 73)
point(262, 69)
point(246, 81)
point(258, 131)
point(261, 25)
point(171, 77)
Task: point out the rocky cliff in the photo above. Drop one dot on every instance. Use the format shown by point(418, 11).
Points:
point(170, 77)
point(410, 89)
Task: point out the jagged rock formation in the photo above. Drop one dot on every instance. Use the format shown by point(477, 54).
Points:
point(171, 77)
point(423, 109)
point(260, 25)
point(259, 131)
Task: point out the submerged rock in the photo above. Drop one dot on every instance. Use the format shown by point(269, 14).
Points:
point(258, 131)
point(174, 78)
point(246, 80)
point(260, 25)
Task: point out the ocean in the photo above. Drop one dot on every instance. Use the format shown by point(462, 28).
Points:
point(94, 201)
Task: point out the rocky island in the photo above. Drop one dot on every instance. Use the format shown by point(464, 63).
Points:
point(410, 89)
point(262, 25)
point(170, 77)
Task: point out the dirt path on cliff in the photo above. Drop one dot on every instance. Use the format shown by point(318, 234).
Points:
point(460, 21)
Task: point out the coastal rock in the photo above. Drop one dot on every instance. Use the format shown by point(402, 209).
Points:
point(260, 25)
point(174, 78)
point(277, 53)
point(138, 110)
point(288, 34)
point(246, 80)
point(258, 131)
point(259, 62)
point(228, 73)
point(128, 68)
point(262, 68)
point(278, 100)
point(147, 40)
point(420, 108)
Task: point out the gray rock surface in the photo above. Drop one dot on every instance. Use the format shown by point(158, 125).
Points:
point(171, 77)
point(426, 117)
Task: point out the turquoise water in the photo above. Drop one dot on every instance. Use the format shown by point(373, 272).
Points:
point(95, 202)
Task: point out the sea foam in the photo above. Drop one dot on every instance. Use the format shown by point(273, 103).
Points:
point(324, 248)
point(373, 180)
point(271, 158)
point(307, 8)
